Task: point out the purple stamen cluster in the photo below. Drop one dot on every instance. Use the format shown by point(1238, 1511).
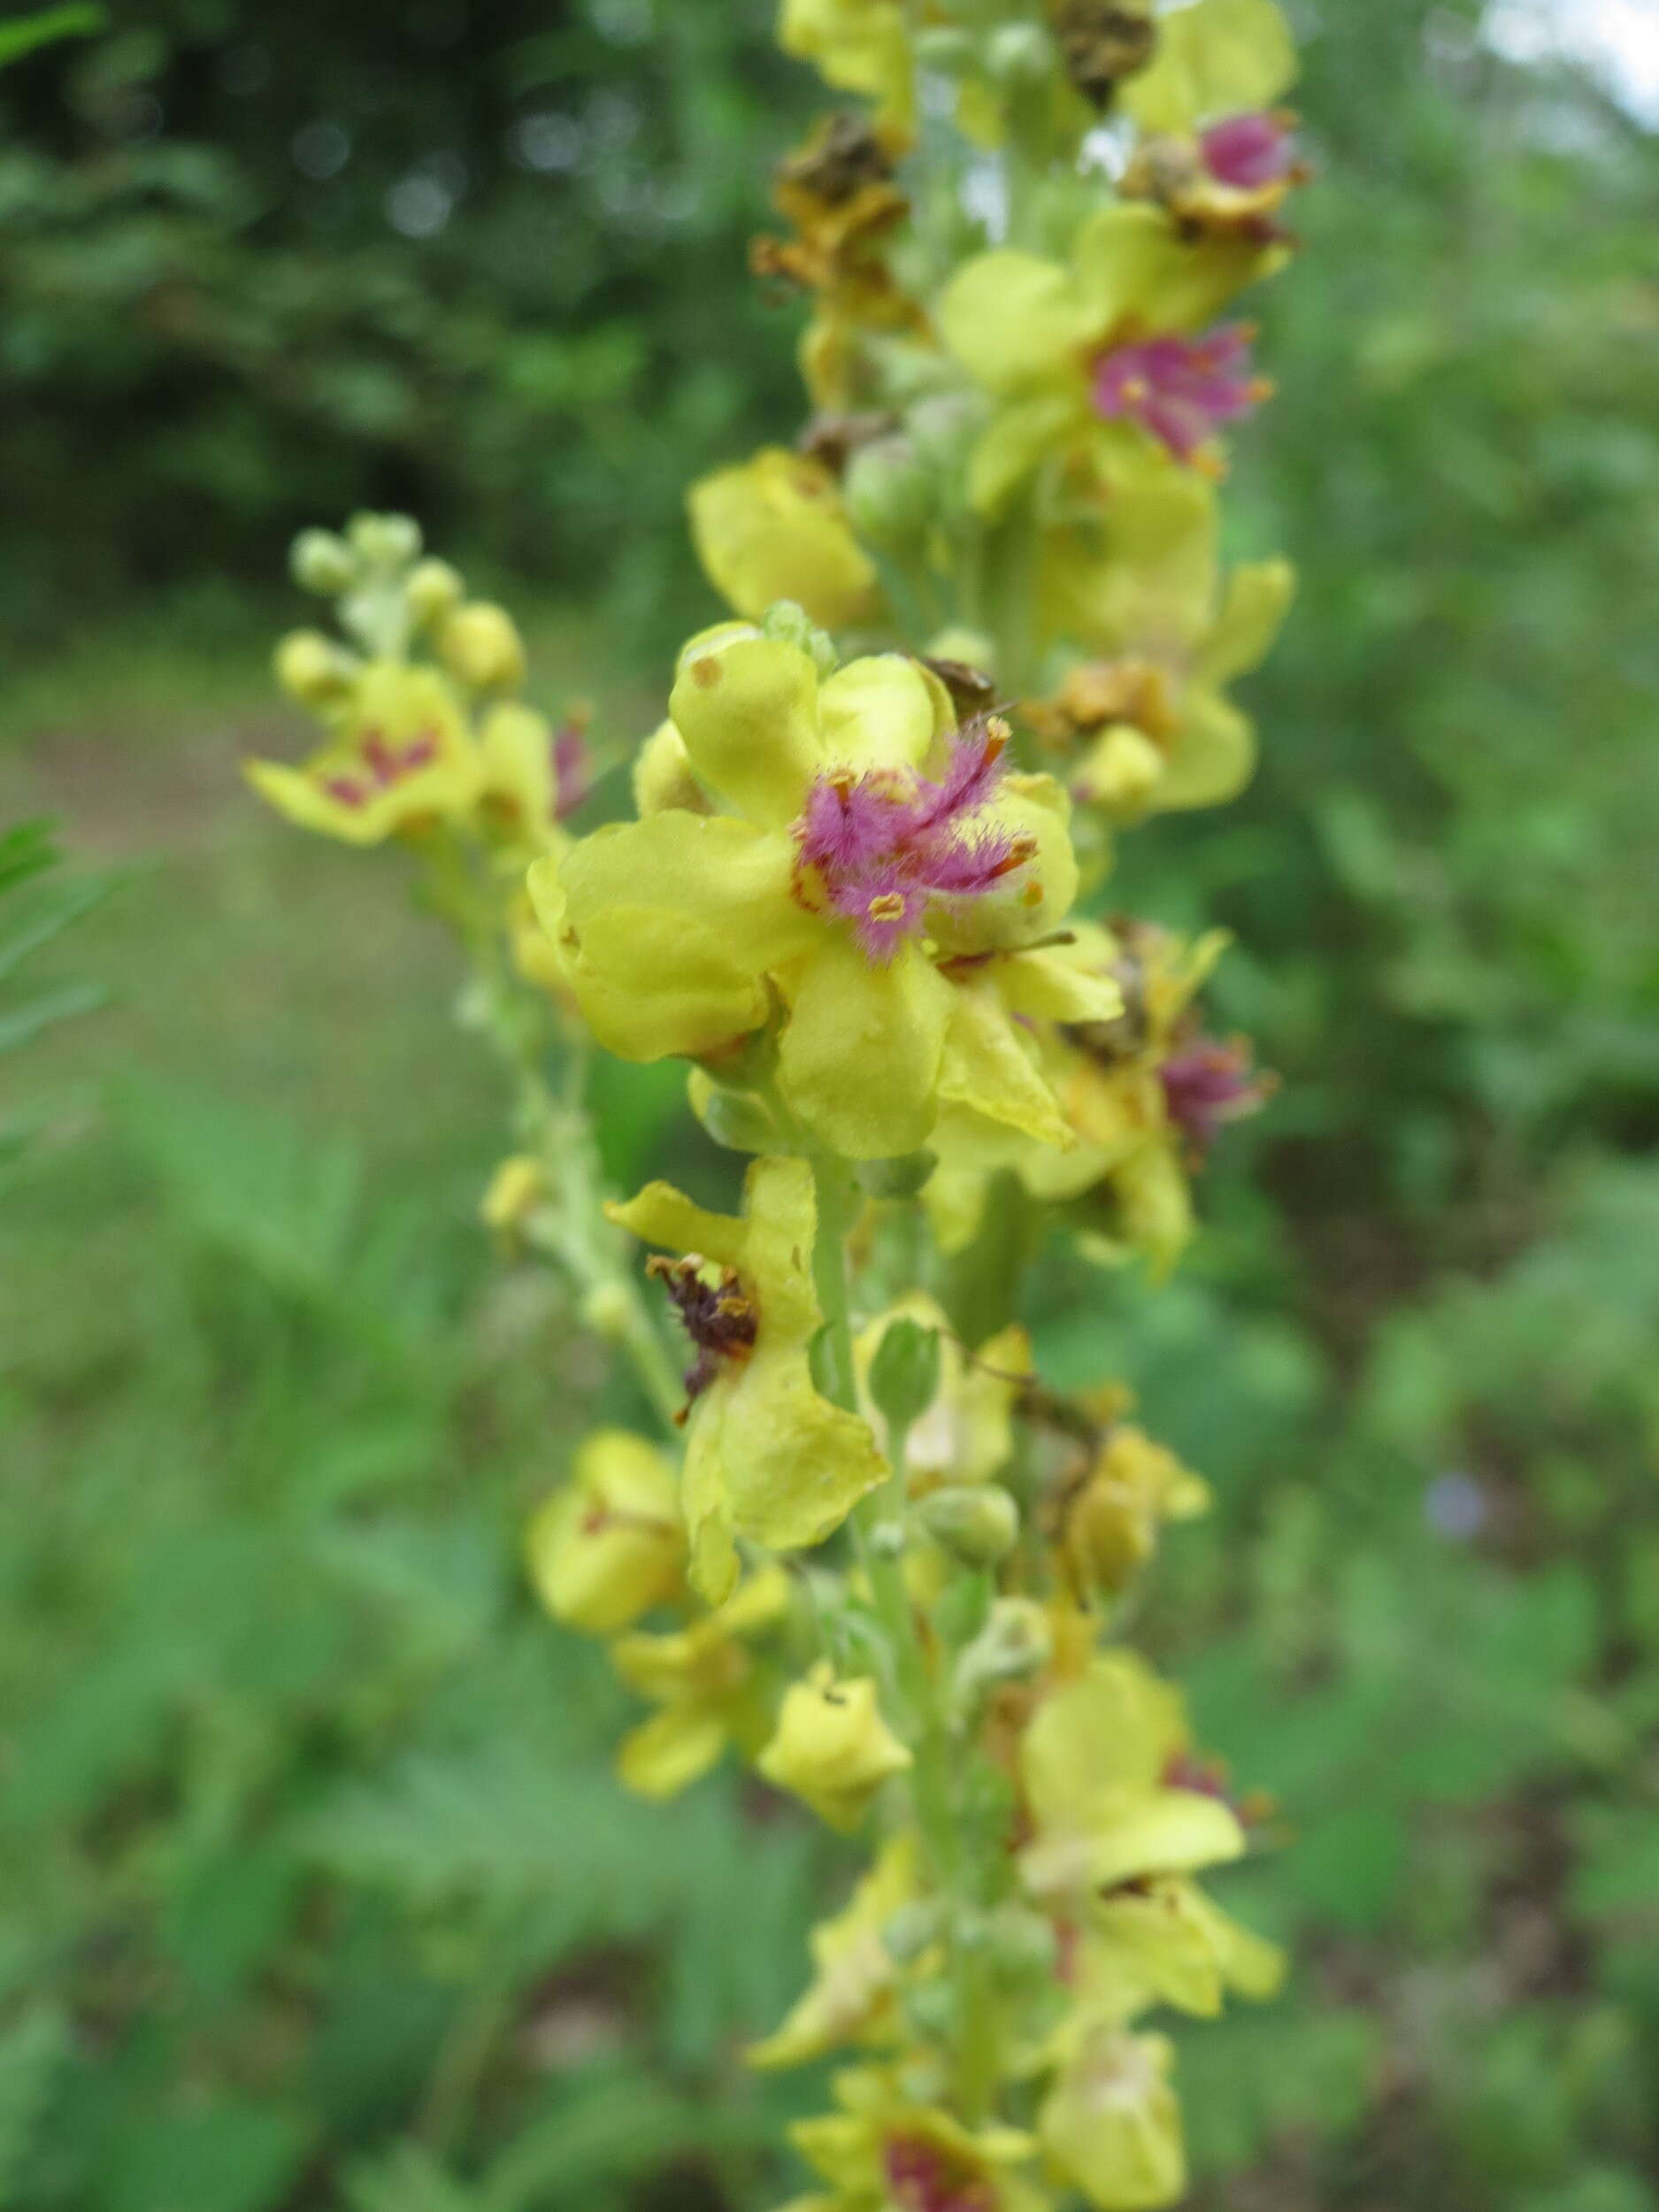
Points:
point(1207, 1084)
point(384, 765)
point(921, 2179)
point(881, 845)
point(572, 768)
point(720, 1318)
point(1248, 152)
point(1180, 390)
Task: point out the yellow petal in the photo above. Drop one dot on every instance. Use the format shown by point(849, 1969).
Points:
point(987, 1065)
point(666, 927)
point(831, 1748)
point(881, 712)
point(1140, 274)
point(1259, 597)
point(774, 528)
point(663, 1216)
point(1219, 58)
point(672, 1749)
point(1051, 987)
point(747, 707)
point(1213, 755)
point(859, 1058)
point(607, 1546)
point(1111, 2123)
point(1018, 440)
point(1014, 321)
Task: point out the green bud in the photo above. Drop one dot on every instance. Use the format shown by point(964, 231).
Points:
point(905, 1373)
point(1021, 54)
point(793, 626)
point(911, 1931)
point(434, 590)
point(385, 541)
point(891, 494)
point(931, 2009)
point(1021, 1944)
point(943, 428)
point(902, 1177)
point(321, 561)
point(736, 1120)
point(977, 1522)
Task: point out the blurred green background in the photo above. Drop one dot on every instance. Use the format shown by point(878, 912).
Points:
point(314, 1889)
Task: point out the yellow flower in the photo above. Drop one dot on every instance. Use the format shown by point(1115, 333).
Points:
point(401, 759)
point(1095, 1765)
point(1110, 1521)
point(481, 647)
point(774, 528)
point(852, 1992)
point(607, 1545)
point(1214, 59)
point(884, 2149)
point(1162, 1941)
point(705, 1679)
point(831, 1747)
point(766, 1457)
point(881, 882)
point(1112, 2126)
point(857, 46)
point(523, 793)
point(1147, 717)
point(1109, 357)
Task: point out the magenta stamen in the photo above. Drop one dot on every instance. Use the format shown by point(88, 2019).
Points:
point(921, 2179)
point(1180, 390)
point(883, 843)
point(1248, 152)
point(1207, 1085)
point(345, 789)
point(573, 769)
point(386, 763)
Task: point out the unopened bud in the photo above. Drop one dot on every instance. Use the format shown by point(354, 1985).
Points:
point(516, 1189)
point(1021, 1944)
point(931, 2009)
point(434, 590)
point(910, 1931)
point(735, 1119)
point(321, 561)
point(904, 1372)
point(664, 776)
point(480, 645)
point(785, 620)
point(385, 541)
point(977, 1522)
point(890, 492)
point(312, 669)
point(902, 1177)
point(1120, 772)
point(946, 48)
point(608, 1311)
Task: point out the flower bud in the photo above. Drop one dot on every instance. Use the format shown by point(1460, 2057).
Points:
point(321, 561)
point(912, 1931)
point(831, 1747)
point(607, 1311)
point(946, 48)
point(385, 541)
point(607, 1545)
point(904, 1372)
point(901, 1177)
point(516, 1189)
point(434, 590)
point(890, 492)
point(1120, 772)
point(481, 647)
point(977, 1522)
point(792, 623)
point(1021, 1944)
point(736, 1120)
point(312, 669)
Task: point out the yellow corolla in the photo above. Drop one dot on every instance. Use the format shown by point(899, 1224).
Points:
point(1095, 1769)
point(1145, 718)
point(858, 46)
point(885, 2148)
point(1162, 1941)
point(1111, 2125)
point(831, 1747)
point(766, 1456)
point(531, 775)
point(881, 890)
point(401, 759)
point(607, 1545)
point(853, 1990)
point(707, 1681)
point(774, 528)
point(1111, 357)
point(1109, 1523)
point(1143, 1094)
